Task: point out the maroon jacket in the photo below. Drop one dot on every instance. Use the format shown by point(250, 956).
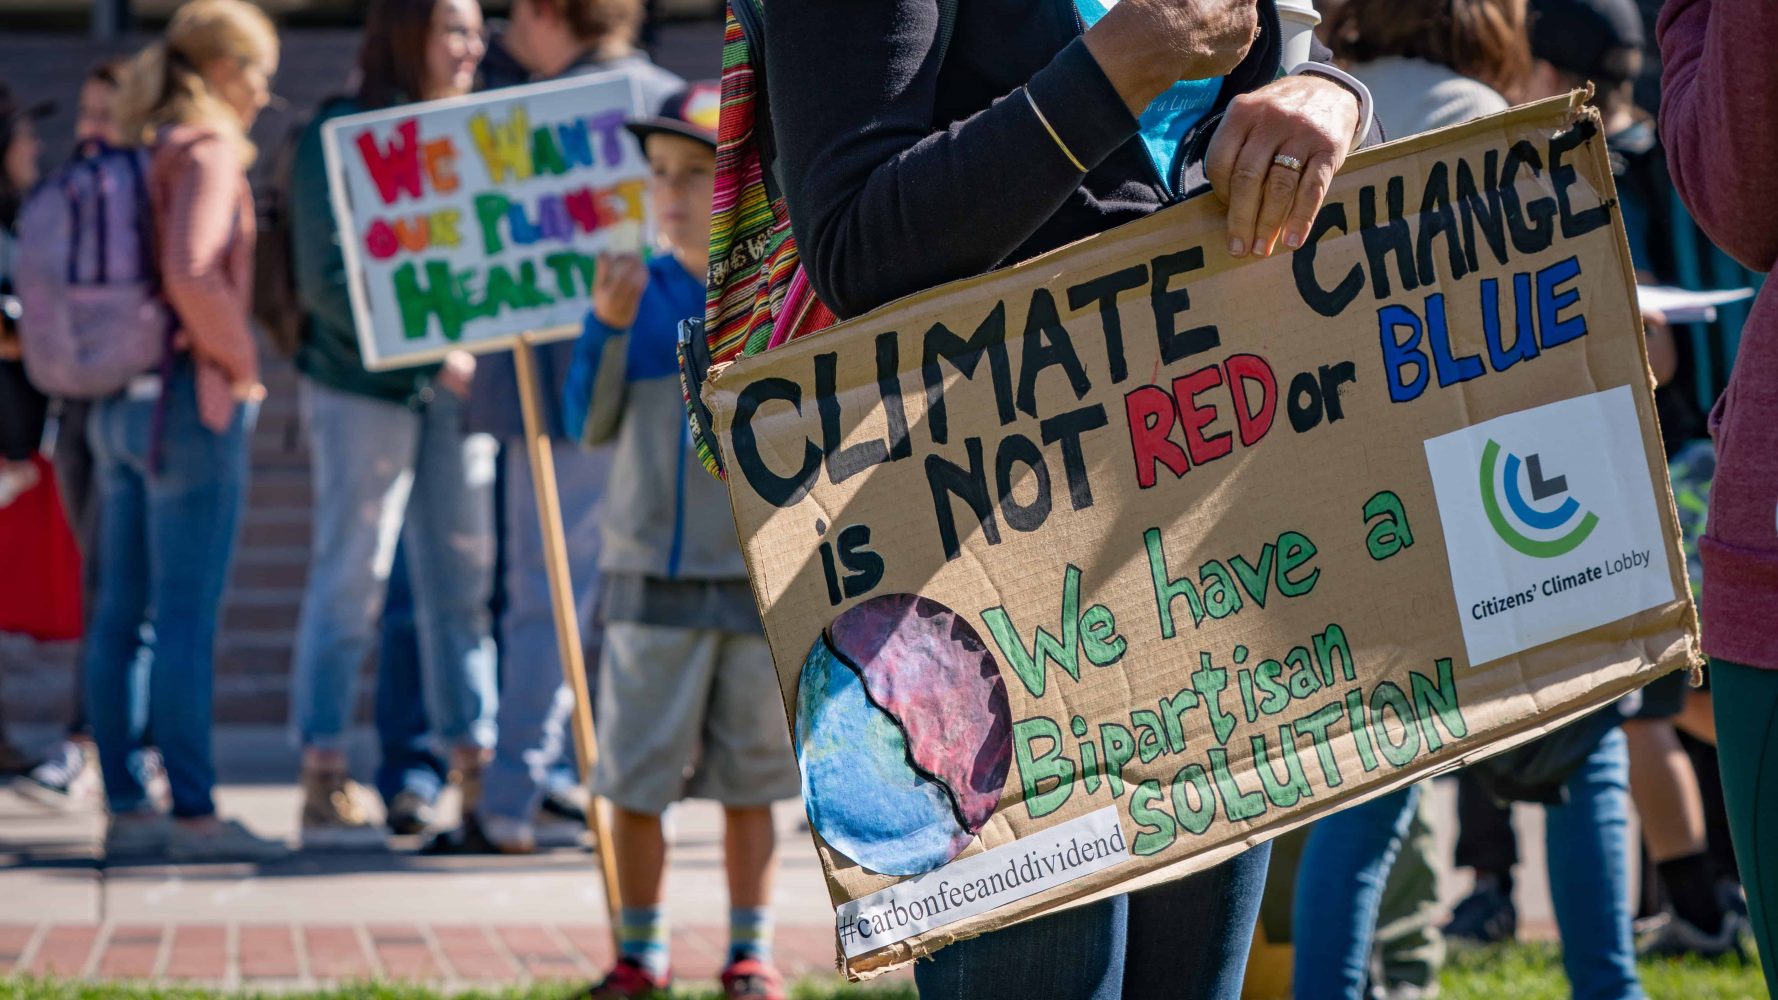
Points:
point(1719, 120)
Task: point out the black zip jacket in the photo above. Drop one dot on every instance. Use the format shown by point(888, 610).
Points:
point(902, 173)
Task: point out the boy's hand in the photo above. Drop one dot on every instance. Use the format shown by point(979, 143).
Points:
point(457, 374)
point(618, 284)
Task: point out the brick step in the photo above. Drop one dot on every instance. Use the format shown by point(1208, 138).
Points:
point(281, 956)
point(279, 487)
point(276, 533)
point(279, 617)
point(272, 555)
point(281, 576)
point(240, 593)
point(279, 514)
point(236, 661)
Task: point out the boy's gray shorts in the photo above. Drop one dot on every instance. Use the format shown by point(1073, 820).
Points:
point(690, 713)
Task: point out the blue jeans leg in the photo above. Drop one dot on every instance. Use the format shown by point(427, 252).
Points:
point(534, 702)
point(176, 527)
point(195, 504)
point(1202, 922)
point(362, 468)
point(1587, 841)
point(1125, 948)
point(449, 547)
point(1339, 886)
point(120, 608)
point(404, 735)
point(1077, 954)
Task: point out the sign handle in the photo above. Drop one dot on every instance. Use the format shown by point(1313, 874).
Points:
point(555, 550)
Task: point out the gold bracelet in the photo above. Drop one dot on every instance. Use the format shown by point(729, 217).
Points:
point(1051, 130)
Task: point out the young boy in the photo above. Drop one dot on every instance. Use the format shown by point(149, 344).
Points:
point(688, 698)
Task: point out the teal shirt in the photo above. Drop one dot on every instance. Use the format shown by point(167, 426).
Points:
point(1164, 123)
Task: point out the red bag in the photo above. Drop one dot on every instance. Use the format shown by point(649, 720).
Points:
point(39, 563)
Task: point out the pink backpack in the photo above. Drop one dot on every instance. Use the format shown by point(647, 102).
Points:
point(92, 317)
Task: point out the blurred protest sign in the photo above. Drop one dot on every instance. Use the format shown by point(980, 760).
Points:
point(470, 221)
point(474, 224)
point(1095, 571)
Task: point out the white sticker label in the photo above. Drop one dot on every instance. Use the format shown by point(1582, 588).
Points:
point(1550, 522)
point(991, 879)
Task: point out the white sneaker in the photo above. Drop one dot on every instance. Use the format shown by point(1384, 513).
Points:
point(228, 841)
point(65, 777)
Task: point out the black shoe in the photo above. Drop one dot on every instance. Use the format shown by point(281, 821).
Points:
point(1484, 917)
point(466, 840)
point(409, 813)
point(1679, 938)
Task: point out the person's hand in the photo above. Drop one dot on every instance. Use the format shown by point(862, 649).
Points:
point(618, 283)
point(1309, 118)
point(248, 391)
point(1663, 351)
point(457, 373)
point(1146, 46)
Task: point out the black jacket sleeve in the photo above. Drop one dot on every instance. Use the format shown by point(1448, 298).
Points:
point(877, 197)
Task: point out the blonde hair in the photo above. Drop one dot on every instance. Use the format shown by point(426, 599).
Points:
point(164, 85)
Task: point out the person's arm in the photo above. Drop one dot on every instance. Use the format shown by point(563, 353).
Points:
point(597, 383)
point(596, 389)
point(1718, 105)
point(199, 226)
point(877, 198)
point(319, 265)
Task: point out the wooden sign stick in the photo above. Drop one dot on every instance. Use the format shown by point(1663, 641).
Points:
point(561, 592)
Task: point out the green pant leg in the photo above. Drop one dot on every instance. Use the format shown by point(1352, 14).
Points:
point(1746, 705)
point(1409, 945)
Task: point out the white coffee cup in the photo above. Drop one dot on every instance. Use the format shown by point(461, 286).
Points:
point(1298, 19)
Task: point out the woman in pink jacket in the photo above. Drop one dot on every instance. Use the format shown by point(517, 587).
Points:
point(170, 452)
point(1719, 119)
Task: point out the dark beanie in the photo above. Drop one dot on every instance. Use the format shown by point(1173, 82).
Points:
point(1597, 39)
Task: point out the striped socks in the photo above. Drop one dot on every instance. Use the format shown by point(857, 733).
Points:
point(750, 933)
point(642, 938)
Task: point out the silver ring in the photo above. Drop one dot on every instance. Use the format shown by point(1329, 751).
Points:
point(1288, 162)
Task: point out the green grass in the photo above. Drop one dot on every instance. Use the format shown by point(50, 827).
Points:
point(1534, 972)
point(1521, 972)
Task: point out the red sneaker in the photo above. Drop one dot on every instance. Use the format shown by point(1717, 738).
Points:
point(625, 980)
point(752, 979)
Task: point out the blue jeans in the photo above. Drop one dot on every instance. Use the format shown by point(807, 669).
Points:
point(404, 734)
point(1586, 840)
point(1185, 940)
point(169, 540)
point(1339, 887)
point(534, 700)
point(384, 472)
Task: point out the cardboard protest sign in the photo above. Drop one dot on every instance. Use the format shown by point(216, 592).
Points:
point(468, 222)
point(1094, 571)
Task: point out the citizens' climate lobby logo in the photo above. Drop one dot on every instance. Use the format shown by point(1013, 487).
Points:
point(1550, 522)
point(1534, 527)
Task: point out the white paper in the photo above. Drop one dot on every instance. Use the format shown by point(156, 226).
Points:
point(983, 882)
point(1682, 305)
point(1563, 537)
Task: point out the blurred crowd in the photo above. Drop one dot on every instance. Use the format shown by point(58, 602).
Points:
point(427, 556)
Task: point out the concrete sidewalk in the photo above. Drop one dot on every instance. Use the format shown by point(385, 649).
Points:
point(394, 915)
point(328, 917)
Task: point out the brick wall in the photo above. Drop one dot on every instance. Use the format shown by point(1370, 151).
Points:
point(260, 607)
